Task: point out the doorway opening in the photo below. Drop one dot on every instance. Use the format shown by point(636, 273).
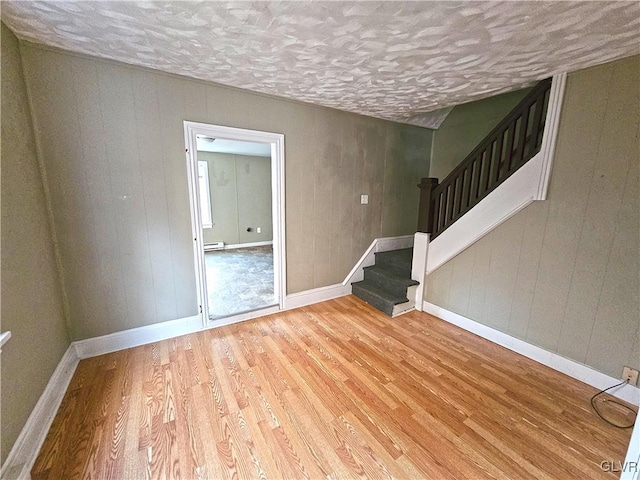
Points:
point(236, 189)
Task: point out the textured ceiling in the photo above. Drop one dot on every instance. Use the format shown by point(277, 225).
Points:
point(390, 60)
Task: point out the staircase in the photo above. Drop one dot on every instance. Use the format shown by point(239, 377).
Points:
point(508, 147)
point(387, 284)
point(504, 173)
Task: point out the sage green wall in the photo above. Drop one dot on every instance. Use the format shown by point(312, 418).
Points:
point(112, 143)
point(465, 127)
point(31, 299)
point(240, 197)
point(563, 273)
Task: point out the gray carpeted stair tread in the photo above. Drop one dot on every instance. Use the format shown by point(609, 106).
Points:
point(377, 296)
point(389, 279)
point(385, 284)
point(390, 274)
point(373, 299)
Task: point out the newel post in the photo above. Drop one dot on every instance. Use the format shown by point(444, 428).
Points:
point(425, 211)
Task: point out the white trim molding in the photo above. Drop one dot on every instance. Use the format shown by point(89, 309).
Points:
point(4, 338)
point(92, 347)
point(631, 465)
point(247, 245)
point(419, 265)
point(276, 140)
point(550, 136)
point(316, 295)
point(528, 184)
point(368, 258)
point(557, 362)
point(134, 337)
point(506, 200)
point(25, 450)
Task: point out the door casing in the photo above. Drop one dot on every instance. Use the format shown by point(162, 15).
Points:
point(191, 130)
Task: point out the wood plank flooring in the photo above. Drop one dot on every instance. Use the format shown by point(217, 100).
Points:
point(335, 390)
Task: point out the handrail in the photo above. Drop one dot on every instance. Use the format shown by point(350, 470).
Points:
point(512, 143)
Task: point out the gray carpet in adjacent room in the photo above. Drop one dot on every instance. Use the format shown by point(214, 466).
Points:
point(239, 280)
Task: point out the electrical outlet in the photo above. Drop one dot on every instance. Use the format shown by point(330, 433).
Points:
point(630, 375)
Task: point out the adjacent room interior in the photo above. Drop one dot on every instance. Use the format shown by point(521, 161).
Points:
point(444, 284)
point(235, 199)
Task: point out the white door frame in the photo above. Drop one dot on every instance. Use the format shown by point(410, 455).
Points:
point(191, 130)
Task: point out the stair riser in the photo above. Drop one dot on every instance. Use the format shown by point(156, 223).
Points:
point(403, 270)
point(391, 284)
point(399, 260)
point(387, 285)
point(383, 306)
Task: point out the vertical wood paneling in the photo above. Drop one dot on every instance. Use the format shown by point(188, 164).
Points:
point(324, 177)
point(253, 176)
point(116, 98)
point(526, 277)
point(348, 203)
point(171, 101)
point(503, 267)
point(123, 207)
point(439, 285)
point(353, 151)
point(300, 200)
point(103, 218)
point(612, 339)
point(580, 128)
point(567, 277)
point(59, 139)
point(404, 150)
point(481, 263)
point(77, 239)
point(154, 187)
point(614, 153)
point(370, 137)
point(224, 198)
point(461, 281)
point(195, 102)
point(32, 301)
point(394, 165)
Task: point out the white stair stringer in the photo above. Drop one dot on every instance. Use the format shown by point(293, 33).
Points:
point(515, 193)
point(405, 307)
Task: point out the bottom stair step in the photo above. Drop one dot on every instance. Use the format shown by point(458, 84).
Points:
point(380, 298)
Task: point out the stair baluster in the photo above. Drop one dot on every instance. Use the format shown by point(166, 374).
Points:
point(512, 143)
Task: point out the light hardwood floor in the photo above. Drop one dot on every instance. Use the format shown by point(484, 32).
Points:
point(335, 390)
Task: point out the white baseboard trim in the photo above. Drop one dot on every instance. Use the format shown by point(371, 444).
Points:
point(562, 364)
point(315, 295)
point(247, 245)
point(25, 450)
point(368, 257)
point(92, 347)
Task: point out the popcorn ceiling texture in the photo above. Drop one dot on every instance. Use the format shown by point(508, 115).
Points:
point(392, 60)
